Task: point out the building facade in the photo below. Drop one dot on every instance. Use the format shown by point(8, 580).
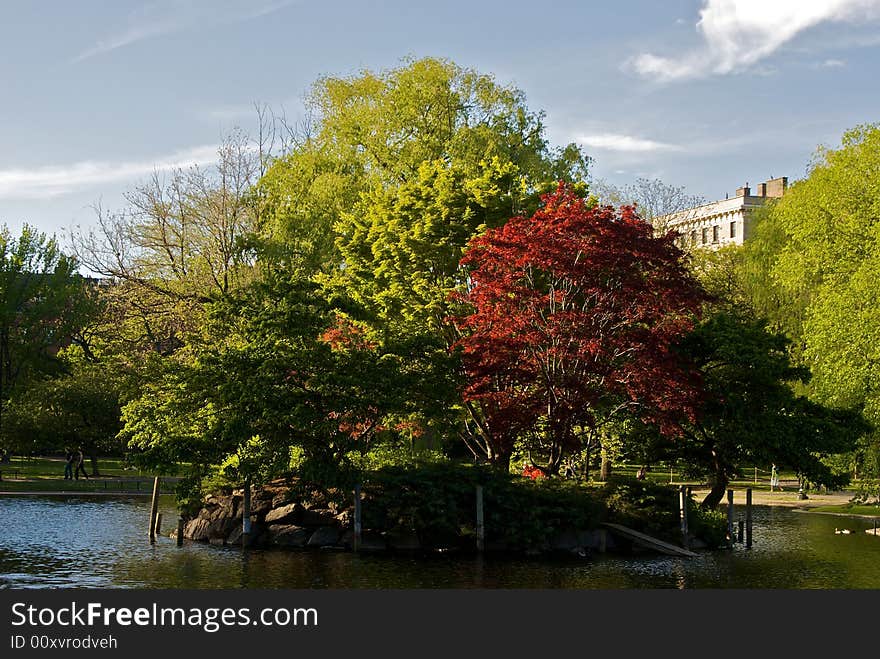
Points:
point(721, 223)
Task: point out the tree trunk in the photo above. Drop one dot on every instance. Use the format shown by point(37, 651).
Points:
point(94, 460)
point(716, 494)
point(501, 461)
point(605, 471)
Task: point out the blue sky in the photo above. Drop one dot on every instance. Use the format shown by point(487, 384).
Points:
point(708, 94)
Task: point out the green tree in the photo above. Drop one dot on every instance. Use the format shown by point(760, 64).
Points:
point(813, 267)
point(79, 408)
point(39, 291)
point(750, 413)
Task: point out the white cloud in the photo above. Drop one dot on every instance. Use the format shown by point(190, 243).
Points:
point(739, 33)
point(625, 143)
point(833, 64)
point(168, 16)
point(54, 180)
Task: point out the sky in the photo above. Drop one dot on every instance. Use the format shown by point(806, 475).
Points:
point(95, 95)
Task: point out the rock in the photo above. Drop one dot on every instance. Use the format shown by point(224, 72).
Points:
point(197, 529)
point(372, 541)
point(221, 527)
point(288, 535)
point(324, 536)
point(318, 517)
point(403, 540)
point(234, 537)
point(260, 507)
point(280, 499)
point(292, 513)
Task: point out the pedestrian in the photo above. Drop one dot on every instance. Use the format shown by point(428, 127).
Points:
point(774, 478)
point(80, 464)
point(643, 472)
point(68, 467)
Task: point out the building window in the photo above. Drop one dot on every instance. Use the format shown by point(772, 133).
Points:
point(705, 236)
point(694, 237)
point(715, 234)
point(733, 229)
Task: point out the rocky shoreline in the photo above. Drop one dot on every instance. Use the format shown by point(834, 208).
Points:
point(318, 521)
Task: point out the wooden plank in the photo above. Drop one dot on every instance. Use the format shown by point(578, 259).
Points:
point(648, 541)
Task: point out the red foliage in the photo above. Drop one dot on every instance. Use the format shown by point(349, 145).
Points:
point(345, 335)
point(532, 472)
point(575, 312)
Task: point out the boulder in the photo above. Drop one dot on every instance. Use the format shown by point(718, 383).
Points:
point(197, 529)
point(280, 499)
point(324, 536)
point(260, 507)
point(234, 537)
point(292, 513)
point(403, 540)
point(318, 517)
point(288, 535)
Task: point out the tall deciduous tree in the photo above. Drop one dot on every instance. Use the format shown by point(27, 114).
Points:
point(749, 412)
point(38, 306)
point(576, 311)
point(813, 267)
point(652, 198)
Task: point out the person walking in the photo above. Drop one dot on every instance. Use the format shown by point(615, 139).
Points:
point(80, 464)
point(68, 468)
point(774, 478)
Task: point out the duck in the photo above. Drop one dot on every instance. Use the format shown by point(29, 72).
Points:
point(841, 531)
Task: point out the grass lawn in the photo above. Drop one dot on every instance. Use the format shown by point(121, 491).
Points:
point(47, 474)
point(871, 510)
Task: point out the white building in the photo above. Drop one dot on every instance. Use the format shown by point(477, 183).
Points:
point(720, 223)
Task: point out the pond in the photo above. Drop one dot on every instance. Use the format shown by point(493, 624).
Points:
point(75, 541)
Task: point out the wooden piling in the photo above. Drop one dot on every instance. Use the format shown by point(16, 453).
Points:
point(740, 536)
point(180, 526)
point(158, 531)
point(154, 510)
point(748, 518)
point(730, 515)
point(356, 538)
point(246, 514)
point(481, 530)
point(682, 505)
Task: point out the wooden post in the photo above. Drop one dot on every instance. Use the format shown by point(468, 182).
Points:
point(670, 474)
point(159, 525)
point(756, 475)
point(180, 526)
point(740, 537)
point(682, 504)
point(246, 514)
point(356, 539)
point(748, 518)
point(154, 510)
point(730, 515)
point(481, 531)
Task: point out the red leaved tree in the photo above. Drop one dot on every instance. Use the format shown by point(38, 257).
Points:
point(574, 314)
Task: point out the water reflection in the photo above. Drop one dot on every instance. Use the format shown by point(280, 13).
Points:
point(70, 541)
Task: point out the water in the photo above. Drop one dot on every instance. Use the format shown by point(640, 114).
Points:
point(101, 543)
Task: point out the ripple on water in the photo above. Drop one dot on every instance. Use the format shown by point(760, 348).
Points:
point(101, 543)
